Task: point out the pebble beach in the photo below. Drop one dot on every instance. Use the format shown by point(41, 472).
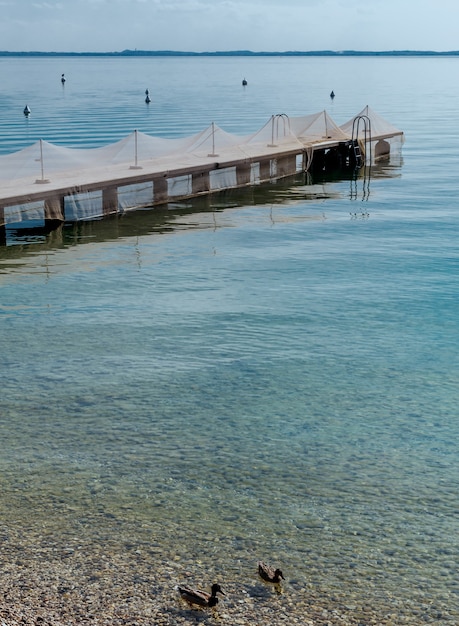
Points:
point(50, 583)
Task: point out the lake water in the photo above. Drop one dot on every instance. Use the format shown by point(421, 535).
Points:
point(268, 373)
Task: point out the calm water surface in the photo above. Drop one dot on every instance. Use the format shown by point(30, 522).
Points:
point(265, 374)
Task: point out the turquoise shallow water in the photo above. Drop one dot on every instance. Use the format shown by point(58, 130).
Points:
point(265, 374)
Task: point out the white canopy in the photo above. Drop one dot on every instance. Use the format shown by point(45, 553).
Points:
point(280, 133)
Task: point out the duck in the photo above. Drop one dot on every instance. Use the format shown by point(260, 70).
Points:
point(332, 95)
point(27, 110)
point(147, 98)
point(269, 574)
point(244, 82)
point(201, 598)
point(62, 78)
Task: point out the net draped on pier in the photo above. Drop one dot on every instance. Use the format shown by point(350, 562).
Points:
point(55, 163)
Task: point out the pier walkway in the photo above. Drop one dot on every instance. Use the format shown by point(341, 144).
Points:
point(49, 182)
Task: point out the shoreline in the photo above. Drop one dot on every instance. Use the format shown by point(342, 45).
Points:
point(67, 582)
point(234, 53)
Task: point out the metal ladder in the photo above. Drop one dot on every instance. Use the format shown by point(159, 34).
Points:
point(365, 120)
point(357, 153)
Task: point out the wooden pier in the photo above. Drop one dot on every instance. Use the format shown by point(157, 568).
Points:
point(103, 189)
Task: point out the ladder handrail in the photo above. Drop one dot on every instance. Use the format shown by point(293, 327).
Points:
point(286, 126)
point(366, 131)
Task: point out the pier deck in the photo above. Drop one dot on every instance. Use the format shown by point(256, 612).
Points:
point(55, 186)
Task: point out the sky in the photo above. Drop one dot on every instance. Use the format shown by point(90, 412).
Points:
point(222, 25)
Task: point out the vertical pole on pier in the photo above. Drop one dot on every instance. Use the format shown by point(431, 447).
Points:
point(41, 160)
point(272, 144)
point(136, 165)
point(212, 154)
point(42, 179)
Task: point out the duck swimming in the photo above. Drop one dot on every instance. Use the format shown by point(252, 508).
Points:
point(269, 574)
point(147, 96)
point(201, 598)
point(27, 110)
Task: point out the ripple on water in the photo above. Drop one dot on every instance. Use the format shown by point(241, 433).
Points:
point(184, 398)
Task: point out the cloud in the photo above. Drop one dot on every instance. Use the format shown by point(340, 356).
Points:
point(198, 25)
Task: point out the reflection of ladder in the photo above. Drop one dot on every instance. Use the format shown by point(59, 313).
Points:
point(363, 175)
point(354, 191)
point(365, 120)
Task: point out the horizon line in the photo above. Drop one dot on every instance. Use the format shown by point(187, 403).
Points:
point(136, 52)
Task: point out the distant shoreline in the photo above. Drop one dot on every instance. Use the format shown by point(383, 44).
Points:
point(235, 53)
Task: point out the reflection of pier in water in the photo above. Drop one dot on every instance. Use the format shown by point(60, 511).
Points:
point(204, 212)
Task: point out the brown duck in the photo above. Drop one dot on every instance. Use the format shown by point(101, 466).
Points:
point(201, 598)
point(269, 574)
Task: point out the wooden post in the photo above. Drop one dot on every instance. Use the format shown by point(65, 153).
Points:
point(110, 200)
point(160, 190)
point(2, 226)
point(54, 208)
point(306, 161)
point(265, 169)
point(200, 182)
point(286, 166)
point(243, 174)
